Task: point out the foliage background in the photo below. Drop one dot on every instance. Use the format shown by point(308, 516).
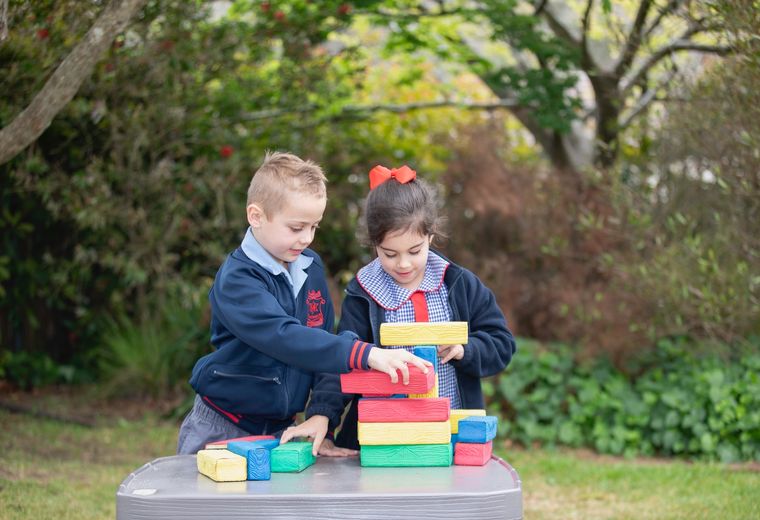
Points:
point(115, 220)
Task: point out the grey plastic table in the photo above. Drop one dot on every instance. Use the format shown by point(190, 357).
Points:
point(333, 488)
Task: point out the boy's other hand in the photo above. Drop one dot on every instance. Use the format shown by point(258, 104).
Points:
point(329, 449)
point(315, 427)
point(389, 361)
point(449, 352)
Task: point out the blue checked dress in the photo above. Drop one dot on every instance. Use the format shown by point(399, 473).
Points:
point(397, 302)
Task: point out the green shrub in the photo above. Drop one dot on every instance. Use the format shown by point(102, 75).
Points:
point(30, 370)
point(153, 357)
point(679, 403)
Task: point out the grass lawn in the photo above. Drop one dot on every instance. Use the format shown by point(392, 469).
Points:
point(50, 469)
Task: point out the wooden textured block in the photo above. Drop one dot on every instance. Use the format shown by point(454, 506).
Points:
point(428, 353)
point(404, 433)
point(379, 383)
point(467, 454)
point(404, 410)
point(424, 333)
point(222, 445)
point(221, 465)
point(257, 456)
point(477, 429)
point(433, 392)
point(458, 415)
point(291, 457)
point(410, 455)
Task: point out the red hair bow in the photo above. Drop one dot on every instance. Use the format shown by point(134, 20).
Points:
point(380, 174)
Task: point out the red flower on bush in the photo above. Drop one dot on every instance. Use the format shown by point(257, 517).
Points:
point(344, 9)
point(42, 34)
point(279, 15)
point(265, 6)
point(226, 151)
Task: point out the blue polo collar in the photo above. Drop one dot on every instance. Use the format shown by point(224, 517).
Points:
point(296, 271)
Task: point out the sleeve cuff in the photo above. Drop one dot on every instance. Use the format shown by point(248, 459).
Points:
point(358, 357)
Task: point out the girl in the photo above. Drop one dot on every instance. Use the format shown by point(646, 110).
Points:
point(409, 282)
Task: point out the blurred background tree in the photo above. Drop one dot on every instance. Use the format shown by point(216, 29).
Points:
point(598, 162)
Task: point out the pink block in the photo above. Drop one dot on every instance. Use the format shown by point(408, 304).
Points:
point(467, 454)
point(223, 444)
point(428, 409)
point(375, 382)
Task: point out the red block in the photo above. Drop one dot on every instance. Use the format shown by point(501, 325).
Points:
point(376, 382)
point(223, 444)
point(467, 454)
point(428, 409)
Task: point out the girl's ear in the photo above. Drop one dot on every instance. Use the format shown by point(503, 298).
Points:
point(255, 214)
point(430, 239)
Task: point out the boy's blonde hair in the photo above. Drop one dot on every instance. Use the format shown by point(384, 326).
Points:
point(280, 174)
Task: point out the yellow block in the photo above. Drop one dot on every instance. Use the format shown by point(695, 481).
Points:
point(222, 465)
point(424, 333)
point(404, 433)
point(433, 392)
point(457, 415)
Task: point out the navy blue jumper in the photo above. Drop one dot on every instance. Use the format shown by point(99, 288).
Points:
point(270, 346)
point(488, 351)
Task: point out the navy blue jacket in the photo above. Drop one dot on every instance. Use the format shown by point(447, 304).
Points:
point(269, 345)
point(489, 347)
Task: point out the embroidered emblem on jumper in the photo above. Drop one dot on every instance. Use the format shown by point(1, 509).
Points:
point(314, 303)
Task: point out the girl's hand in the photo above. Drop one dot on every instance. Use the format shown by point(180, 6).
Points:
point(449, 352)
point(389, 361)
point(315, 427)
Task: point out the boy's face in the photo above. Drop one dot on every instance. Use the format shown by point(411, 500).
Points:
point(287, 232)
point(404, 256)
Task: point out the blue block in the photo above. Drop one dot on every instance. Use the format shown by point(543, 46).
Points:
point(477, 430)
point(428, 353)
point(454, 440)
point(257, 456)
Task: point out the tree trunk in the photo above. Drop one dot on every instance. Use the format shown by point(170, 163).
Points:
point(66, 80)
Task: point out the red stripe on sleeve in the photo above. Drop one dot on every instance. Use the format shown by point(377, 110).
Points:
point(361, 355)
point(352, 355)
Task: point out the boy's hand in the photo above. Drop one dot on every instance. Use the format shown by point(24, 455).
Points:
point(315, 427)
point(329, 449)
point(449, 352)
point(389, 361)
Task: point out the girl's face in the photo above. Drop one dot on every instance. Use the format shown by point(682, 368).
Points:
point(403, 255)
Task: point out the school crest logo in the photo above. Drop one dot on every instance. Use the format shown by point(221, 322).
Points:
point(314, 303)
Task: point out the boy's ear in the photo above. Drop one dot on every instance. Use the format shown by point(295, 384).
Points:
point(254, 214)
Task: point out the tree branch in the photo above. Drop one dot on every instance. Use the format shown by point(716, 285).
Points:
point(352, 110)
point(559, 29)
point(585, 26)
point(644, 101)
point(635, 37)
point(539, 7)
point(665, 11)
point(667, 50)
point(66, 80)
point(3, 20)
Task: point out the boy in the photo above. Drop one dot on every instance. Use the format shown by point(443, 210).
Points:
point(271, 322)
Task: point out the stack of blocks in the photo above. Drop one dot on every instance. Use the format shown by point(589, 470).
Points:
point(395, 430)
point(409, 429)
point(252, 458)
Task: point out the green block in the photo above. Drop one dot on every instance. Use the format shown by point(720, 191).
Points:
point(291, 457)
point(406, 455)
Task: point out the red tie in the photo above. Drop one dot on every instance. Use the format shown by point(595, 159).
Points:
point(420, 306)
